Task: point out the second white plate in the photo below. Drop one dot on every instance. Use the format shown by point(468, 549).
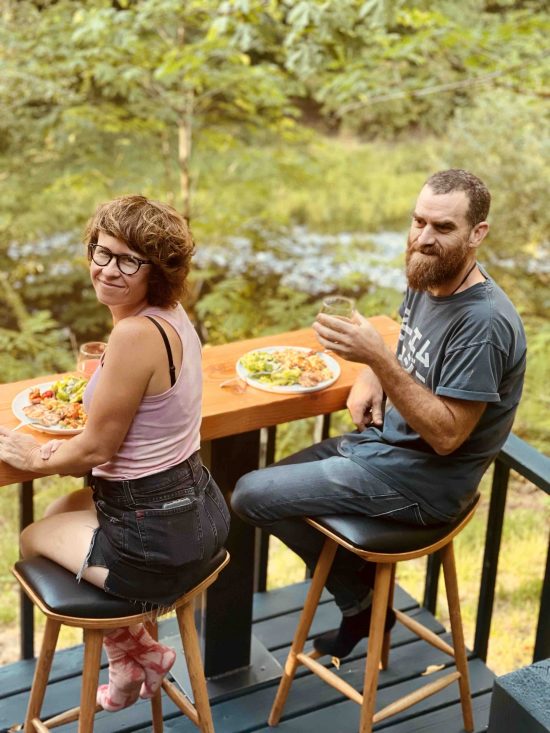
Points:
point(331, 363)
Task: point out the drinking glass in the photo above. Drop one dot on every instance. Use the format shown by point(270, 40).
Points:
point(89, 357)
point(338, 306)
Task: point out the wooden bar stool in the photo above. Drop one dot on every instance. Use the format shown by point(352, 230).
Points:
point(65, 601)
point(385, 543)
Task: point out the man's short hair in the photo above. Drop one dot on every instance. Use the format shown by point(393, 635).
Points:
point(456, 179)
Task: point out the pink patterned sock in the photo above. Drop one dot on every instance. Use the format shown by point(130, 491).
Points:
point(155, 658)
point(125, 675)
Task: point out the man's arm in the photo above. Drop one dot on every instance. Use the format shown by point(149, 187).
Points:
point(443, 422)
point(366, 400)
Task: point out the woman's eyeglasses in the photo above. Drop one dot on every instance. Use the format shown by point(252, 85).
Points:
point(127, 264)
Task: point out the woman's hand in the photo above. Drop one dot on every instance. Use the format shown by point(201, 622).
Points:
point(366, 401)
point(20, 451)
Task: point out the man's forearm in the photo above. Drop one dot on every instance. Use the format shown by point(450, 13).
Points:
point(426, 413)
point(443, 422)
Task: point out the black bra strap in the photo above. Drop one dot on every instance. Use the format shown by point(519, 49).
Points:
point(168, 350)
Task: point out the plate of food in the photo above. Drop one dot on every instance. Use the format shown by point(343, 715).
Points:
point(288, 369)
point(53, 407)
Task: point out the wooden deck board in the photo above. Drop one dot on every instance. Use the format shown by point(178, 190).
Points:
point(312, 705)
point(446, 720)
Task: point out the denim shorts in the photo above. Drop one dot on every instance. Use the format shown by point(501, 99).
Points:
point(154, 531)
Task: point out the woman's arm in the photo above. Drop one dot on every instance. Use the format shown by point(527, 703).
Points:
point(130, 362)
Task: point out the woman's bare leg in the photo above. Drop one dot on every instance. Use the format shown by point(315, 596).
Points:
point(64, 536)
point(74, 502)
point(65, 539)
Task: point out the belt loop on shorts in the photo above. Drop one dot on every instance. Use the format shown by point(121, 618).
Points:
point(126, 487)
point(195, 467)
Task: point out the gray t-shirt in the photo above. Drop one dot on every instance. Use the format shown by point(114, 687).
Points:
point(469, 346)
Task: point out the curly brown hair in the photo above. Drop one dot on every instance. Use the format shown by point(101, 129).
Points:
point(154, 230)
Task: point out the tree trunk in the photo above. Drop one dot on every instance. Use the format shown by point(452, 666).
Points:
point(168, 163)
point(184, 140)
point(184, 154)
point(12, 299)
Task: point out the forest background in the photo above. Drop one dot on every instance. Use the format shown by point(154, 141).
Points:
point(295, 135)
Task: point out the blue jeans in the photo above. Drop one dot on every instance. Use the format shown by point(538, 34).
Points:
point(317, 481)
point(155, 531)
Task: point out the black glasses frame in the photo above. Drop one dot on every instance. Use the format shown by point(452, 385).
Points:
point(140, 262)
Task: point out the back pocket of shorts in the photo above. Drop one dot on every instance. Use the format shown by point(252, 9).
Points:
point(171, 536)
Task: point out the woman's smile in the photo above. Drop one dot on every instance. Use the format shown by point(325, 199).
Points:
point(125, 293)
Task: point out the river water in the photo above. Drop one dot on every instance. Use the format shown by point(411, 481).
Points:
point(306, 261)
point(311, 262)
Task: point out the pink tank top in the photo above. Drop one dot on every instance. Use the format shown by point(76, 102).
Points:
point(165, 428)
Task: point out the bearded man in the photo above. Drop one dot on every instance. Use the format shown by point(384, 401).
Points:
point(452, 391)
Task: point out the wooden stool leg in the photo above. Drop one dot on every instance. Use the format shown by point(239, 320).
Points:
point(188, 632)
point(93, 639)
point(322, 569)
point(41, 673)
point(156, 700)
point(384, 659)
point(461, 660)
point(376, 636)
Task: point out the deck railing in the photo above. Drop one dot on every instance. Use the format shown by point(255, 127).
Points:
point(516, 455)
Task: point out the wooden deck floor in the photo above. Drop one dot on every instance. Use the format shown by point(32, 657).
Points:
point(313, 707)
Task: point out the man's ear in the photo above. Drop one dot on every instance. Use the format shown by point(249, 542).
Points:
point(478, 234)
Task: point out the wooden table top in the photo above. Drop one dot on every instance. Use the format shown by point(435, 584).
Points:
point(226, 412)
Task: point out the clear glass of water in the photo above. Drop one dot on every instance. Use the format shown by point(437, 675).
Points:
point(338, 306)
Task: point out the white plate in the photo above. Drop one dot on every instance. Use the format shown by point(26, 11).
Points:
point(22, 400)
point(331, 363)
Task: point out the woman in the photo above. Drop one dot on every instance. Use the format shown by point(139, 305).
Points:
point(152, 508)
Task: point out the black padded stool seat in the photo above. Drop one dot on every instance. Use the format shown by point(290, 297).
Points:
point(373, 534)
point(383, 543)
point(63, 594)
point(64, 601)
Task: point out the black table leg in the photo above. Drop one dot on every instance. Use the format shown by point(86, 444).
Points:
point(227, 621)
point(26, 622)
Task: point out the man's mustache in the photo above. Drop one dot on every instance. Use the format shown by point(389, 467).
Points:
point(430, 249)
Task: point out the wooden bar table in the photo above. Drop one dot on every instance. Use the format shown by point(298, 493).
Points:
point(230, 447)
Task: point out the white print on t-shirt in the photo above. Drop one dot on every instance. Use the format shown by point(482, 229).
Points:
point(414, 353)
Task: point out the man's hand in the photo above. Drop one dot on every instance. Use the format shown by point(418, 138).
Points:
point(49, 448)
point(354, 339)
point(366, 400)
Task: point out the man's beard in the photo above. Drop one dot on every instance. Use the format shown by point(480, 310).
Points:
point(425, 272)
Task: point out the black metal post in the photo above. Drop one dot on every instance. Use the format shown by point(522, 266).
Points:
point(495, 521)
point(325, 432)
point(542, 639)
point(26, 612)
point(432, 582)
point(262, 535)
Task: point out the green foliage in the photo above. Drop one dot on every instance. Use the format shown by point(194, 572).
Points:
point(533, 418)
point(500, 139)
point(35, 347)
point(103, 98)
